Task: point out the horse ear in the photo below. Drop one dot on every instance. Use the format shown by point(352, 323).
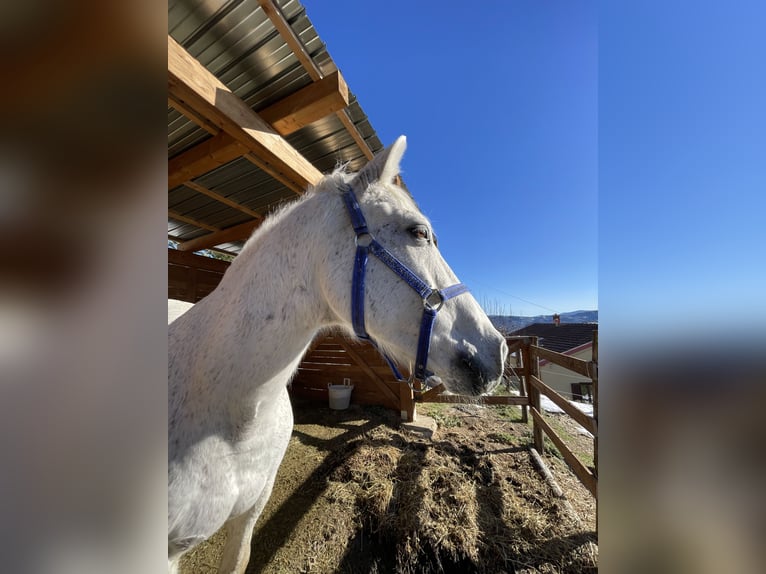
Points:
point(384, 167)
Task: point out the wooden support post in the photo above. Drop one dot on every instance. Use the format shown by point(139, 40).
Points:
point(407, 403)
point(533, 369)
point(523, 381)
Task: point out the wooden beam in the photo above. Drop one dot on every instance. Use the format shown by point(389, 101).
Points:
point(202, 158)
point(286, 116)
point(225, 200)
point(297, 188)
point(194, 87)
point(173, 215)
point(307, 105)
point(235, 233)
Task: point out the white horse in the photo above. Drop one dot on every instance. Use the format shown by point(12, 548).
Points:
point(232, 354)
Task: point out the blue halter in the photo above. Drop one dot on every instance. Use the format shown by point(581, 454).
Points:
point(433, 299)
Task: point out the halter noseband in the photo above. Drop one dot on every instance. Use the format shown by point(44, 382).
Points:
point(433, 299)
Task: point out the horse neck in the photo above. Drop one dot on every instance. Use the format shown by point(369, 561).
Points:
point(269, 306)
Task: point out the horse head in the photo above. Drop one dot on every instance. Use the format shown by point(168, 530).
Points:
point(466, 352)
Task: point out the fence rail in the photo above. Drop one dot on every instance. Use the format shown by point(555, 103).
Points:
point(581, 471)
point(529, 354)
point(584, 420)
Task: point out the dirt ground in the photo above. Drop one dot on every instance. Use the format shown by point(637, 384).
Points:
point(357, 494)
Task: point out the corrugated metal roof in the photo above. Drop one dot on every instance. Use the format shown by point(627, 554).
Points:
point(238, 43)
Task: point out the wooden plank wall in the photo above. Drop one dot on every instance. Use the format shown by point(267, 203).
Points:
point(327, 361)
point(191, 277)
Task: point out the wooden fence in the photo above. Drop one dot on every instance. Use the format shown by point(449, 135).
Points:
point(531, 354)
point(191, 277)
point(524, 357)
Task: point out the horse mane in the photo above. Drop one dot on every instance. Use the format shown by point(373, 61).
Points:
point(330, 183)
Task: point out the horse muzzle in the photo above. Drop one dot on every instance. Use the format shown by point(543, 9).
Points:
point(478, 373)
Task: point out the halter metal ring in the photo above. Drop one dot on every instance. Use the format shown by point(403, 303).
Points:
point(427, 303)
point(363, 239)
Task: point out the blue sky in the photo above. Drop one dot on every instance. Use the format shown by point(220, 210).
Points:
point(499, 105)
point(682, 167)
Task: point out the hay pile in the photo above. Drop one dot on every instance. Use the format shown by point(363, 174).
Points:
point(441, 507)
point(357, 495)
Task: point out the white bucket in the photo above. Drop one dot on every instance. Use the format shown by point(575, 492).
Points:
point(340, 395)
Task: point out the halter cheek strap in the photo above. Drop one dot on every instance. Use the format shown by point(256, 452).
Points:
point(433, 299)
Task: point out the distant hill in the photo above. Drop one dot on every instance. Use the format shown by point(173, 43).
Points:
point(508, 323)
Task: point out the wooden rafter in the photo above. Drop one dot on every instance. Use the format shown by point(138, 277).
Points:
point(234, 233)
point(216, 249)
point(218, 197)
point(183, 218)
point(192, 115)
point(202, 158)
point(346, 121)
point(196, 88)
point(286, 116)
point(238, 131)
point(277, 18)
point(279, 21)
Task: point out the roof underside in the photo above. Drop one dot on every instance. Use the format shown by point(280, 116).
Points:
point(238, 42)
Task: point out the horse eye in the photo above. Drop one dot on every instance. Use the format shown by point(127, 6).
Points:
point(420, 232)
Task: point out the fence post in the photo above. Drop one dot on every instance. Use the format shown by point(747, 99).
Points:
point(521, 362)
point(407, 403)
point(534, 393)
point(594, 378)
point(521, 373)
